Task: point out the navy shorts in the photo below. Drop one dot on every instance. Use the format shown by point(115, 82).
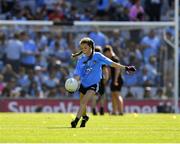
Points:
point(83, 89)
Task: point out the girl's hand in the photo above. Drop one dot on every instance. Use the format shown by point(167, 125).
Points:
point(130, 69)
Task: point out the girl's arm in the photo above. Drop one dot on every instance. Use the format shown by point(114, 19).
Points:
point(117, 65)
point(128, 69)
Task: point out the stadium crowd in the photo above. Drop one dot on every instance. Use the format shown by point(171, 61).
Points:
point(104, 10)
point(37, 63)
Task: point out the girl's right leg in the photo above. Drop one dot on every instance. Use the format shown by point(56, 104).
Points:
point(81, 97)
point(84, 102)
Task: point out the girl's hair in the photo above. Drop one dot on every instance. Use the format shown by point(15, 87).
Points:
point(98, 49)
point(90, 43)
point(107, 48)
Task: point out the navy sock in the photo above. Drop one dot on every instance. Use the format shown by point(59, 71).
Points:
point(76, 120)
point(85, 117)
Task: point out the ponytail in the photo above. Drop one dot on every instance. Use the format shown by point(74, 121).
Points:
point(76, 54)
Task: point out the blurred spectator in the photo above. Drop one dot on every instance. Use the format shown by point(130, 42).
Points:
point(23, 79)
point(170, 13)
point(129, 94)
point(41, 61)
point(13, 52)
point(41, 13)
point(130, 80)
point(73, 14)
point(11, 90)
point(136, 12)
point(27, 13)
point(117, 42)
point(153, 9)
point(33, 90)
point(59, 38)
point(6, 6)
point(147, 92)
point(169, 90)
point(61, 54)
point(49, 3)
point(102, 9)
point(87, 15)
point(9, 73)
point(151, 45)
point(2, 83)
point(29, 51)
point(98, 37)
point(51, 84)
point(57, 14)
point(151, 67)
point(146, 79)
point(160, 94)
point(17, 13)
point(2, 48)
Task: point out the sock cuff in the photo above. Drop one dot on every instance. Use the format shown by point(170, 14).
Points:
point(76, 119)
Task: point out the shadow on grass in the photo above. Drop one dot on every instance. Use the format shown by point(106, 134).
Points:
point(61, 127)
point(58, 127)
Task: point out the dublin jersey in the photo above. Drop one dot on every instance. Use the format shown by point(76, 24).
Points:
point(91, 72)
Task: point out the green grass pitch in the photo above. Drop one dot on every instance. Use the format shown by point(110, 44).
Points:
point(51, 128)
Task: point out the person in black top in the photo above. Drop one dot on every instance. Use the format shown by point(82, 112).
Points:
point(116, 82)
point(101, 90)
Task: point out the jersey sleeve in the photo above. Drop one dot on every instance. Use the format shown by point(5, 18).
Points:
point(104, 59)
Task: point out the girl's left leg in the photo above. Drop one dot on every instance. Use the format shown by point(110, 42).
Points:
point(82, 107)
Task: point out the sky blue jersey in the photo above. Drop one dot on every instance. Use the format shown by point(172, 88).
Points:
point(91, 72)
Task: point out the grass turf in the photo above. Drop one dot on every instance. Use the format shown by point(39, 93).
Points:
point(130, 128)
